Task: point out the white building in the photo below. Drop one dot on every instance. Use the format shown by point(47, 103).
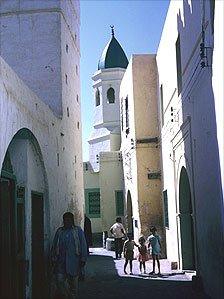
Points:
point(103, 175)
point(40, 137)
point(140, 146)
point(190, 68)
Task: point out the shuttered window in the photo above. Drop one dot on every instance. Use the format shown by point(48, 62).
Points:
point(179, 67)
point(92, 200)
point(119, 203)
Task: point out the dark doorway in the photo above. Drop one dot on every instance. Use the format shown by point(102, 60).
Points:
point(129, 215)
point(38, 273)
point(7, 239)
point(186, 222)
point(20, 219)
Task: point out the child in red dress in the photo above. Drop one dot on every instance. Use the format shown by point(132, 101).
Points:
point(143, 254)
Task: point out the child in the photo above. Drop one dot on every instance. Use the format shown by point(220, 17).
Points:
point(154, 241)
point(143, 254)
point(128, 250)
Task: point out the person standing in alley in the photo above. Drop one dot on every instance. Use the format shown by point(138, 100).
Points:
point(143, 254)
point(88, 232)
point(68, 254)
point(129, 252)
point(118, 232)
point(155, 246)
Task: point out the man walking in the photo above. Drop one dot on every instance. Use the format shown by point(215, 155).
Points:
point(118, 231)
point(69, 253)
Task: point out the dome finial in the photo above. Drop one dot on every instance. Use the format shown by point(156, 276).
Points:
point(112, 29)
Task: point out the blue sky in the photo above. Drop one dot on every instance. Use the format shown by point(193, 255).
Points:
point(138, 26)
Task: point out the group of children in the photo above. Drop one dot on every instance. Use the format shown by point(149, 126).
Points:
point(154, 248)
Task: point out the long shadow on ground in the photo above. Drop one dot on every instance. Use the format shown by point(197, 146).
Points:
point(103, 281)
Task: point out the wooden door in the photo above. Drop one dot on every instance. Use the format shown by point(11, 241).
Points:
point(186, 222)
point(7, 239)
point(38, 273)
point(20, 220)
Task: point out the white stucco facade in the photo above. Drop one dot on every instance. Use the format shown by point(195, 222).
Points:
point(218, 76)
point(191, 121)
point(40, 110)
point(140, 146)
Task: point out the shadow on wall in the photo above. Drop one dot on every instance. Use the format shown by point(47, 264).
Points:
point(198, 175)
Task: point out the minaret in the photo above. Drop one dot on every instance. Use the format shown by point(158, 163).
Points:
point(106, 85)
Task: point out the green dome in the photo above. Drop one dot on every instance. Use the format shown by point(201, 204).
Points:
point(113, 55)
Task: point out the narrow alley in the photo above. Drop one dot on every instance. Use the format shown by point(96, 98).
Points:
point(105, 279)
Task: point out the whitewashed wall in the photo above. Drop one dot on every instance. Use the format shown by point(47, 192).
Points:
point(140, 85)
point(191, 139)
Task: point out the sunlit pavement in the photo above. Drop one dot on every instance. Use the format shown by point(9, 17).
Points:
point(105, 279)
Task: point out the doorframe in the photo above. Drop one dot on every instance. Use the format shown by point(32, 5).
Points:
point(182, 139)
point(45, 267)
point(10, 176)
point(179, 220)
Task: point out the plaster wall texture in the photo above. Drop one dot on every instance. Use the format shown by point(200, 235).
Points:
point(91, 181)
point(111, 180)
point(128, 153)
point(107, 114)
point(217, 77)
point(56, 169)
point(106, 128)
point(115, 142)
point(139, 84)
point(95, 147)
point(21, 108)
point(31, 43)
point(190, 141)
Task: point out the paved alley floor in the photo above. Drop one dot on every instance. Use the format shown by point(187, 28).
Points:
point(105, 279)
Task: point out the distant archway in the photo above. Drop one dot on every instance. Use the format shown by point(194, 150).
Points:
point(186, 222)
point(22, 217)
point(130, 229)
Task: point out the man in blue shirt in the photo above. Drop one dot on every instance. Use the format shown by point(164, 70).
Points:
point(69, 254)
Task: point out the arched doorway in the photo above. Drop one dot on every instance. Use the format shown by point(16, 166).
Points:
point(23, 189)
point(129, 214)
point(186, 222)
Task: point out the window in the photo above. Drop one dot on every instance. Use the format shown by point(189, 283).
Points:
point(97, 97)
point(111, 95)
point(127, 116)
point(78, 125)
point(92, 198)
point(66, 79)
point(122, 116)
point(67, 111)
point(76, 69)
point(119, 203)
point(161, 105)
point(66, 48)
point(179, 68)
point(165, 205)
point(77, 98)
